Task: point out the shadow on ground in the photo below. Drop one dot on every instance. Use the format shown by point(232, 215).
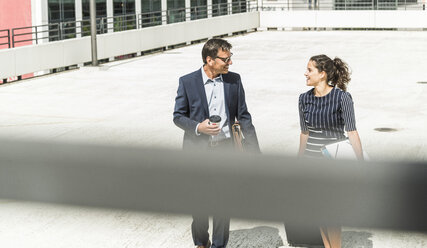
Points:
point(259, 237)
point(353, 239)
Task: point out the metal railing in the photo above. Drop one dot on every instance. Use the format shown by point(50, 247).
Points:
point(342, 5)
point(5, 38)
point(149, 19)
point(54, 31)
point(73, 29)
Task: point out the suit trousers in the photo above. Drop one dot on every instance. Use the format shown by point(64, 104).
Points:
point(221, 229)
point(221, 225)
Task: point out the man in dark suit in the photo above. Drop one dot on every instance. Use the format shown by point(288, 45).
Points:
point(213, 90)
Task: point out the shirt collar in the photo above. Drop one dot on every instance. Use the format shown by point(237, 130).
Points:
point(206, 78)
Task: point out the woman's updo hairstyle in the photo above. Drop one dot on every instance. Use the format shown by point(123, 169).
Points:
point(337, 71)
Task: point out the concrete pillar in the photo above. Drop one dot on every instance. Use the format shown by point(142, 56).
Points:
point(138, 11)
point(79, 22)
point(39, 16)
point(187, 10)
point(164, 11)
point(79, 17)
point(229, 7)
point(209, 3)
point(110, 14)
point(188, 14)
point(229, 11)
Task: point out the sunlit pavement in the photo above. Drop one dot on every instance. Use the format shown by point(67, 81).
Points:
point(130, 103)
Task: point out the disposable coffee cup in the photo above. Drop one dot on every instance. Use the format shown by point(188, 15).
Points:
point(214, 119)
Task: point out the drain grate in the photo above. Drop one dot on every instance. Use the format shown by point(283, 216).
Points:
point(422, 82)
point(385, 129)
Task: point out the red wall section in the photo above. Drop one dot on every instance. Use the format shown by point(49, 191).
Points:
point(15, 14)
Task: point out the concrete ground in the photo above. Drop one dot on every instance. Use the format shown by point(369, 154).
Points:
point(131, 102)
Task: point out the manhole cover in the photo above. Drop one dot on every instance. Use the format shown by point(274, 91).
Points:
point(385, 129)
point(421, 82)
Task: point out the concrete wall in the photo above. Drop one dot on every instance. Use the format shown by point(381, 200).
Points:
point(18, 61)
point(343, 19)
point(22, 60)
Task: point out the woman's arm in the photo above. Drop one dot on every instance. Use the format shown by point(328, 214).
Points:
point(353, 136)
point(302, 142)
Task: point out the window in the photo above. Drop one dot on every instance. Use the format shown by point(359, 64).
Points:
point(238, 6)
point(151, 13)
point(124, 15)
point(199, 9)
point(219, 7)
point(101, 11)
point(176, 11)
point(62, 17)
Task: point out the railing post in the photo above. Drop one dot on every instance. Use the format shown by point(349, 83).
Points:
point(60, 30)
point(102, 25)
point(8, 37)
point(13, 37)
point(37, 38)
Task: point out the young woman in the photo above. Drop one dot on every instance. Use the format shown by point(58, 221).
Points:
point(326, 111)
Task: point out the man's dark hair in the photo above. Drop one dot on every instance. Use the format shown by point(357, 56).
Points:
point(212, 46)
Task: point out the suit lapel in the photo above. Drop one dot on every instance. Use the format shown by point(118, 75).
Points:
point(200, 87)
point(226, 96)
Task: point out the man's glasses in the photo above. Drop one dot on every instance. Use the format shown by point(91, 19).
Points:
point(225, 60)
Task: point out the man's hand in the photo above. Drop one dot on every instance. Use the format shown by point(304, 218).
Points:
point(209, 129)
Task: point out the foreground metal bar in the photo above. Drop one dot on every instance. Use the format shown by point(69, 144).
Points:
point(383, 195)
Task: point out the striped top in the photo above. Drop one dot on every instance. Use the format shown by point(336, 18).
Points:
point(325, 118)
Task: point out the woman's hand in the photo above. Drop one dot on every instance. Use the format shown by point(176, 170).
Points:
point(354, 138)
point(302, 143)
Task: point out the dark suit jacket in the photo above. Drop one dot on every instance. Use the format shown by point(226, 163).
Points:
point(191, 108)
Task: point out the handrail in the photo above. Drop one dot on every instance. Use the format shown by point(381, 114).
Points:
point(73, 29)
point(7, 31)
point(343, 5)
